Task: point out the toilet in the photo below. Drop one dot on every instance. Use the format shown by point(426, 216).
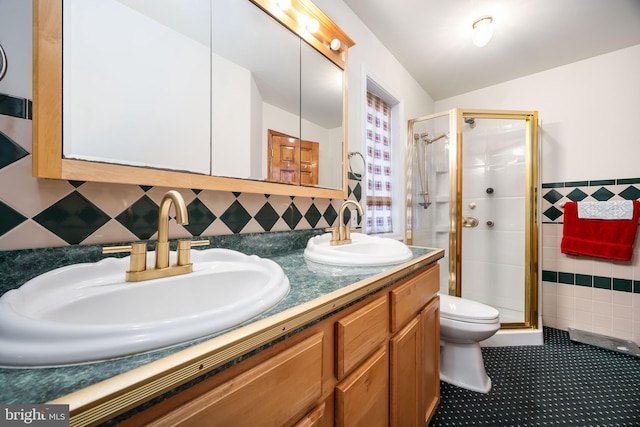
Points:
point(463, 324)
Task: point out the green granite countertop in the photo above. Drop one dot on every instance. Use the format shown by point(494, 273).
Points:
point(308, 282)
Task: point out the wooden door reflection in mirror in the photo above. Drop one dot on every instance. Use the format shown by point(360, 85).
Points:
point(291, 161)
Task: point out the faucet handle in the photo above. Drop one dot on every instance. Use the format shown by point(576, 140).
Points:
point(138, 261)
point(184, 249)
point(335, 233)
point(184, 252)
point(204, 242)
point(116, 249)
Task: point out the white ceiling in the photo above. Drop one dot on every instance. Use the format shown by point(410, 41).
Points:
point(432, 38)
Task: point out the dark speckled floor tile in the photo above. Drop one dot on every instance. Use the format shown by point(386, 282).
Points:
point(560, 383)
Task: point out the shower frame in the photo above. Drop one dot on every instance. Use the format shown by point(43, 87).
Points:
point(531, 252)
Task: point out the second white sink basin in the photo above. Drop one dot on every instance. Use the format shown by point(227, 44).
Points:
point(365, 250)
point(87, 312)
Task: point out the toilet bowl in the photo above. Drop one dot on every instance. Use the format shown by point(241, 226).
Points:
point(463, 324)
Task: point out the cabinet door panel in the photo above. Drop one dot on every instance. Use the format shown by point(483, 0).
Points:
point(405, 352)
point(362, 399)
point(430, 320)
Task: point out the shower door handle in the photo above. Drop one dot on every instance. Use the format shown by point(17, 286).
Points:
point(470, 221)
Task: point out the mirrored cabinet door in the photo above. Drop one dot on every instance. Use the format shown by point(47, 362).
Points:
point(137, 93)
point(208, 94)
point(256, 87)
point(321, 114)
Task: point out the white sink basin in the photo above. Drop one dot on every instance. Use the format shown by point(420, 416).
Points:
point(87, 312)
point(364, 250)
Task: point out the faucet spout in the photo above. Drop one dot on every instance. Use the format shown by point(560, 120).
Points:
point(182, 217)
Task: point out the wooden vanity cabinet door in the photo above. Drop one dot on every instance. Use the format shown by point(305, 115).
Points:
point(414, 349)
point(405, 366)
point(359, 334)
point(276, 392)
point(430, 320)
point(362, 398)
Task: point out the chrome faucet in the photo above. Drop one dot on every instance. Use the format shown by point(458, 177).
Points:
point(341, 235)
point(138, 270)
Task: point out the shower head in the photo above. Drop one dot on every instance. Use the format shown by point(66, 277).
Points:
point(471, 122)
point(425, 137)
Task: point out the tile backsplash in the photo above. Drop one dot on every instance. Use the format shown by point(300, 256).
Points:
point(587, 293)
point(38, 213)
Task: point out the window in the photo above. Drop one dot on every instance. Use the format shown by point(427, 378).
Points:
point(378, 176)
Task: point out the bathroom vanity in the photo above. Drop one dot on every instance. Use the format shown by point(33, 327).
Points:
point(342, 339)
point(371, 361)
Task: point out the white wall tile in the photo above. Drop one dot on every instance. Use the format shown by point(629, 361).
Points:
point(602, 325)
point(583, 320)
point(583, 292)
point(602, 268)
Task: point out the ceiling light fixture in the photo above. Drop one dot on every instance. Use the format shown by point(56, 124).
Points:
point(482, 31)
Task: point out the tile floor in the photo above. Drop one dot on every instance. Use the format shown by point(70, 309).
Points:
point(560, 383)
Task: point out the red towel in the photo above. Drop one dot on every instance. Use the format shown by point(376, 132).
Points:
point(601, 238)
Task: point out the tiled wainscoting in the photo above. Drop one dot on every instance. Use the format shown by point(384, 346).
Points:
point(587, 293)
point(38, 213)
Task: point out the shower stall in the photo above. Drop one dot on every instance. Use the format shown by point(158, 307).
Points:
point(472, 179)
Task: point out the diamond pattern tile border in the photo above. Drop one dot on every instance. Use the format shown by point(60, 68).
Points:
point(74, 218)
point(556, 194)
point(77, 216)
point(10, 151)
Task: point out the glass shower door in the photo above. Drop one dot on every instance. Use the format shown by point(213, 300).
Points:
point(493, 214)
point(472, 178)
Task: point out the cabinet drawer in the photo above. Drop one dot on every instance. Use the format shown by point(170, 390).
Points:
point(362, 399)
point(315, 418)
point(359, 334)
point(408, 299)
point(276, 392)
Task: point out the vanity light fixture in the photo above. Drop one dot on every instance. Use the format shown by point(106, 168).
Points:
point(482, 31)
point(312, 25)
point(335, 45)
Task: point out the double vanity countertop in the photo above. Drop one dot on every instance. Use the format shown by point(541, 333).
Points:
point(316, 291)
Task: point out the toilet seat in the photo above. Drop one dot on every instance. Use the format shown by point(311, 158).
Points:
point(463, 310)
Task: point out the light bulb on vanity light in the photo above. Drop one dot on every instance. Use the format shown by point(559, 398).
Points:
point(313, 25)
point(482, 31)
point(335, 45)
point(283, 4)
